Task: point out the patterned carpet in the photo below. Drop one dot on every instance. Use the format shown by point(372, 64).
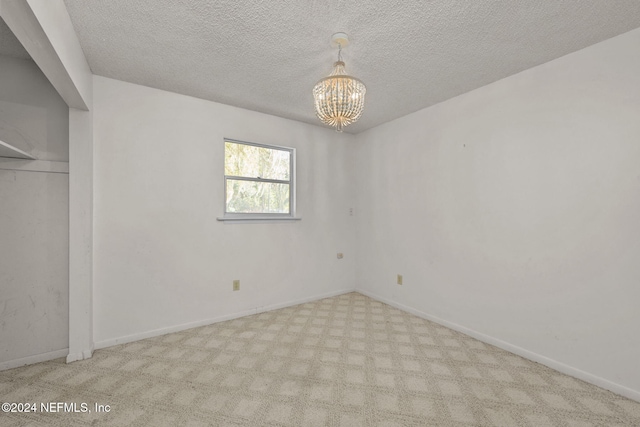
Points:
point(342, 361)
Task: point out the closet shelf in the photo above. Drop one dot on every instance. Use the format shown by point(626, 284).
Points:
point(8, 150)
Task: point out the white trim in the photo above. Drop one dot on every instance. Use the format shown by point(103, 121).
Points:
point(184, 326)
point(83, 355)
point(527, 354)
point(259, 218)
point(80, 234)
point(30, 360)
point(34, 165)
point(87, 354)
point(74, 357)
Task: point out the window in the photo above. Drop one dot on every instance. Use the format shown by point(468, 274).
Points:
point(258, 180)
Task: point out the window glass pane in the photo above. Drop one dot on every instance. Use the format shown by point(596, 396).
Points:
point(257, 197)
point(253, 162)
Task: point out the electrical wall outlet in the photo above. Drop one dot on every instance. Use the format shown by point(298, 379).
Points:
point(399, 279)
point(236, 285)
point(340, 255)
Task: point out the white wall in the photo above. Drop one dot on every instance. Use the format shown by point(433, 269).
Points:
point(162, 260)
point(34, 220)
point(34, 299)
point(514, 211)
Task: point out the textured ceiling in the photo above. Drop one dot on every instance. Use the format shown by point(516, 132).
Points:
point(266, 55)
point(9, 44)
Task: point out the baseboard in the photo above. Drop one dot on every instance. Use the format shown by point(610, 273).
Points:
point(184, 326)
point(527, 354)
point(30, 360)
point(82, 355)
point(74, 357)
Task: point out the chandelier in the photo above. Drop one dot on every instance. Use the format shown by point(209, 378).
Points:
point(339, 98)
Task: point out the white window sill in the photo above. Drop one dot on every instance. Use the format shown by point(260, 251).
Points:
point(258, 218)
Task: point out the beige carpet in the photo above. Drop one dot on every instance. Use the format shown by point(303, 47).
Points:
point(343, 361)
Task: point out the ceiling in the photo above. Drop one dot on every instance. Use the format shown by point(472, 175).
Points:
point(266, 55)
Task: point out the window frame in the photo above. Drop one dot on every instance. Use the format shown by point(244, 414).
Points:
point(261, 215)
